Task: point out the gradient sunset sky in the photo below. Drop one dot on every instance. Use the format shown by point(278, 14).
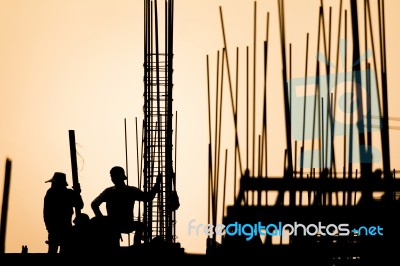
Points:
point(78, 65)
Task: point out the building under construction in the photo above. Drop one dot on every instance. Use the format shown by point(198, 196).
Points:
point(320, 210)
point(324, 212)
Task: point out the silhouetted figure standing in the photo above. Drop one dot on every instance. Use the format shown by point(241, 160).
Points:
point(59, 204)
point(120, 200)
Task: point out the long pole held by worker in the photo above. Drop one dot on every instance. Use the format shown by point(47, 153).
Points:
point(74, 166)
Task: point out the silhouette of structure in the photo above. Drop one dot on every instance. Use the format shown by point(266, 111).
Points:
point(158, 121)
point(311, 190)
point(319, 214)
point(157, 142)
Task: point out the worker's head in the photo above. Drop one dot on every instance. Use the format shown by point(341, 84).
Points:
point(81, 219)
point(58, 179)
point(117, 174)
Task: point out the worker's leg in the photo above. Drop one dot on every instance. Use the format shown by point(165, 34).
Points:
point(52, 242)
point(139, 229)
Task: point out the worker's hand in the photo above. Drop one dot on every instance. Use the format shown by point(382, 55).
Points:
point(77, 188)
point(158, 181)
point(159, 178)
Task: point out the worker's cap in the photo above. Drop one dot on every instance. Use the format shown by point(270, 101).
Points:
point(118, 171)
point(59, 178)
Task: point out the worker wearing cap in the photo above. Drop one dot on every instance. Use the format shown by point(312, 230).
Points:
point(120, 200)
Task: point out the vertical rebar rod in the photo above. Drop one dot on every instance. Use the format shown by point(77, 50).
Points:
point(4, 206)
point(236, 108)
point(301, 177)
point(254, 87)
point(157, 82)
point(259, 157)
point(295, 158)
point(223, 195)
point(365, 33)
point(137, 162)
point(321, 150)
point(368, 14)
point(290, 81)
point(247, 107)
point(126, 167)
point(356, 69)
point(141, 165)
point(210, 164)
point(220, 127)
point(368, 70)
point(210, 207)
point(126, 152)
point(369, 101)
point(137, 154)
point(345, 101)
point(170, 176)
point(216, 139)
point(355, 192)
point(315, 91)
point(230, 90)
point(289, 170)
point(265, 96)
point(335, 88)
point(304, 111)
point(329, 120)
point(350, 167)
point(337, 59)
point(309, 191)
point(333, 164)
point(209, 182)
point(327, 68)
point(385, 111)
point(176, 141)
point(321, 125)
point(263, 133)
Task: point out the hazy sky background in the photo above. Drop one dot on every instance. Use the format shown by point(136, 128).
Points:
point(79, 65)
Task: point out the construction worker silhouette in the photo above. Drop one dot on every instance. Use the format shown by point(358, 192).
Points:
point(120, 200)
point(58, 208)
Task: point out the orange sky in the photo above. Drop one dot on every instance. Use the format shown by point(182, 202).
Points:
point(79, 65)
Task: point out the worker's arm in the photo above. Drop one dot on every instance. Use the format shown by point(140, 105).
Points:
point(77, 199)
point(151, 194)
point(97, 202)
point(47, 212)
